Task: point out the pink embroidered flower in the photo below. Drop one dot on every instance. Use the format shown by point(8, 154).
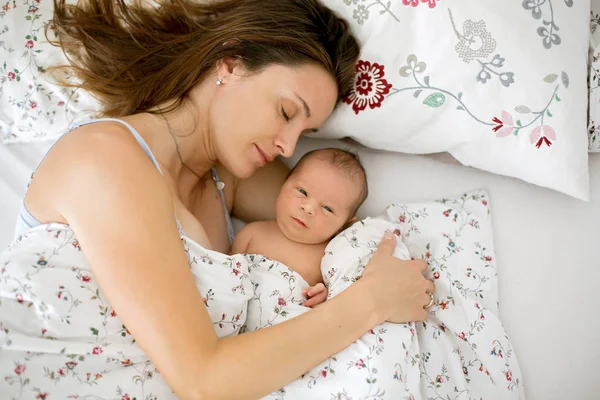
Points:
point(414, 3)
point(61, 103)
point(488, 258)
point(281, 302)
point(372, 332)
point(11, 76)
point(397, 232)
point(5, 7)
point(113, 313)
point(360, 363)
point(97, 350)
point(427, 255)
point(32, 9)
point(412, 332)
point(19, 298)
point(443, 305)
point(324, 373)
point(481, 317)
point(97, 376)
point(485, 203)
point(446, 213)
point(442, 327)
point(508, 376)
point(44, 330)
point(42, 396)
point(71, 364)
point(61, 372)
point(29, 44)
point(32, 104)
point(236, 272)
point(86, 278)
point(542, 134)
point(402, 219)
point(125, 397)
point(462, 336)
point(369, 86)
point(439, 379)
point(127, 362)
point(21, 368)
point(436, 275)
point(504, 126)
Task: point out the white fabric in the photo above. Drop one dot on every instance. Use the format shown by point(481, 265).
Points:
point(482, 80)
point(462, 347)
point(545, 243)
point(594, 78)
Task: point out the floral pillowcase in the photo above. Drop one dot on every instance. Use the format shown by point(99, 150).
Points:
point(499, 85)
point(594, 78)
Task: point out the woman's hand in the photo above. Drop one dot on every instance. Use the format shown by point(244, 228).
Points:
point(398, 286)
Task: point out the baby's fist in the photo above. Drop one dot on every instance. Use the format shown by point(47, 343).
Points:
point(315, 294)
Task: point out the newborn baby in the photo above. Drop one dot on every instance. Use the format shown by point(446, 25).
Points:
point(317, 201)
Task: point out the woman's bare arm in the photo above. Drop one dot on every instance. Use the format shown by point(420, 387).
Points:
point(118, 206)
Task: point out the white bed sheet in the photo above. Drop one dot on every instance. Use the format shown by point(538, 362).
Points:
point(545, 245)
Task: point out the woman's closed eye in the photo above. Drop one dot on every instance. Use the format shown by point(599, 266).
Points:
point(285, 115)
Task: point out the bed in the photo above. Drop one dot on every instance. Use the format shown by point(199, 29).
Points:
point(545, 246)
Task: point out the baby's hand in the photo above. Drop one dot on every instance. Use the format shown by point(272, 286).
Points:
point(315, 294)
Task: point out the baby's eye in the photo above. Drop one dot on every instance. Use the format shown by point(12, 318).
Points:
point(302, 191)
point(328, 209)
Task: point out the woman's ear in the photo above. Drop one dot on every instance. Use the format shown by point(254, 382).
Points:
point(229, 68)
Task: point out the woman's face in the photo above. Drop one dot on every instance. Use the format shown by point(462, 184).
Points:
point(256, 117)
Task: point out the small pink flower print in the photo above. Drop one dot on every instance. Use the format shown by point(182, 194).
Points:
point(71, 364)
point(32, 10)
point(381, 340)
point(402, 219)
point(477, 306)
point(97, 376)
point(32, 104)
point(439, 379)
point(97, 350)
point(61, 103)
point(360, 363)
point(125, 397)
point(542, 135)
point(20, 369)
point(436, 275)
point(508, 376)
point(86, 278)
point(369, 87)
point(238, 264)
point(484, 202)
point(462, 336)
point(19, 297)
point(42, 396)
point(428, 255)
point(465, 371)
point(126, 362)
point(397, 232)
point(488, 258)
point(443, 304)
point(412, 332)
point(113, 313)
point(281, 302)
point(76, 245)
point(11, 76)
point(446, 213)
point(324, 373)
point(61, 372)
point(504, 126)
point(372, 332)
point(482, 317)
point(414, 3)
point(481, 367)
point(29, 44)
point(236, 272)
point(411, 397)
point(5, 7)
point(442, 327)
point(44, 330)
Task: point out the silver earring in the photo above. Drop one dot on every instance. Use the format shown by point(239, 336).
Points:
point(219, 81)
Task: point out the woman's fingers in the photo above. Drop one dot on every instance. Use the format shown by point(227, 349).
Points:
point(429, 286)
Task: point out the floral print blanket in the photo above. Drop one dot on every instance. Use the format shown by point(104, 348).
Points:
point(60, 339)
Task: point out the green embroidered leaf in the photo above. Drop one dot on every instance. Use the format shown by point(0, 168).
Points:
point(521, 109)
point(28, 37)
point(28, 18)
point(557, 98)
point(35, 38)
point(16, 71)
point(548, 113)
point(516, 132)
point(435, 100)
point(518, 122)
point(550, 78)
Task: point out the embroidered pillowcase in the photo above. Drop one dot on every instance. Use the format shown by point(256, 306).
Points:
point(594, 78)
point(499, 85)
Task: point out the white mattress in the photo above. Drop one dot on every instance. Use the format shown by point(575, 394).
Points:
point(545, 245)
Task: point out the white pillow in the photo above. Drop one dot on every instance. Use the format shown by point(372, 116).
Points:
point(32, 106)
point(594, 78)
point(496, 84)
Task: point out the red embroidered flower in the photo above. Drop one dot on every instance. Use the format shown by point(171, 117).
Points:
point(125, 397)
point(436, 275)
point(5, 7)
point(86, 278)
point(402, 219)
point(443, 305)
point(281, 301)
point(32, 104)
point(71, 364)
point(127, 362)
point(428, 255)
point(29, 44)
point(508, 376)
point(19, 297)
point(113, 313)
point(42, 396)
point(372, 332)
point(360, 363)
point(11, 76)
point(481, 317)
point(97, 376)
point(61, 372)
point(446, 213)
point(485, 203)
point(324, 373)
point(488, 258)
point(462, 336)
point(61, 103)
point(21, 368)
point(369, 86)
point(236, 272)
point(97, 350)
point(32, 9)
point(442, 327)
point(542, 134)
point(397, 232)
point(439, 379)
point(504, 126)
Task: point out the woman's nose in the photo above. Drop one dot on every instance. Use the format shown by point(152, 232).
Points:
point(286, 143)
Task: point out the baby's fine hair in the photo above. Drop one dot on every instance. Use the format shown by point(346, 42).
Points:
point(346, 162)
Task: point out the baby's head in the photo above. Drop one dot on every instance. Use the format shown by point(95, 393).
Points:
point(321, 195)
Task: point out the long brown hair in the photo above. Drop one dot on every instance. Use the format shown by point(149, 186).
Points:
point(134, 57)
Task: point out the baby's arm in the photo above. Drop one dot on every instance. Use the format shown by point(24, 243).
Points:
point(242, 240)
